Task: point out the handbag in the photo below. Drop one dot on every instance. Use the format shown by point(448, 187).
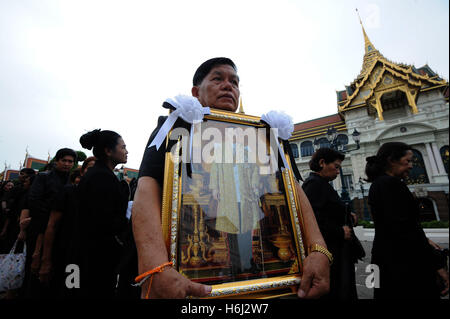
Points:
point(12, 269)
point(357, 249)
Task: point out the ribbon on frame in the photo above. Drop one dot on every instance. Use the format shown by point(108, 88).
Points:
point(283, 125)
point(186, 107)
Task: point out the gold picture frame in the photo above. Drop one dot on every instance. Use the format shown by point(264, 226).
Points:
point(204, 232)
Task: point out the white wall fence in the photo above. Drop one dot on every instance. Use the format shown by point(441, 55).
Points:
point(438, 235)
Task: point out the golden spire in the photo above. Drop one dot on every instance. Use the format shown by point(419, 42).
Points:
point(241, 108)
point(368, 46)
point(371, 54)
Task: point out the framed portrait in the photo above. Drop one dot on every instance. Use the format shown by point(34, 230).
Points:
point(230, 214)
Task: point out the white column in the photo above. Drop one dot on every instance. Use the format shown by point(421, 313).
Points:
point(438, 158)
point(431, 158)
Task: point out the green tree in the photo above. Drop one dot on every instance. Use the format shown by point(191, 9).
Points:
point(81, 156)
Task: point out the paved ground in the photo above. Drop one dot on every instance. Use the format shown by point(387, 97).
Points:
point(361, 274)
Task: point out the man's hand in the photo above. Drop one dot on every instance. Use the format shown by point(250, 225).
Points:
point(170, 284)
point(347, 232)
point(24, 223)
point(22, 236)
point(316, 276)
point(434, 245)
point(444, 277)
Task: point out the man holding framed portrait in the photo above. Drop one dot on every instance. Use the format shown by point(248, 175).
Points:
point(215, 85)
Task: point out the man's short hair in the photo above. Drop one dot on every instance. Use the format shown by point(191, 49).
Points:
point(327, 154)
point(206, 67)
point(28, 171)
point(64, 152)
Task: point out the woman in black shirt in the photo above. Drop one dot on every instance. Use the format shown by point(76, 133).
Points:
point(102, 214)
point(409, 265)
point(332, 218)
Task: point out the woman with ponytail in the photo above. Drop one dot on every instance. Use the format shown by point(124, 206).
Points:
point(102, 212)
point(409, 263)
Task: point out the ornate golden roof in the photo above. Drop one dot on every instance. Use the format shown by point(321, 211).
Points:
point(375, 74)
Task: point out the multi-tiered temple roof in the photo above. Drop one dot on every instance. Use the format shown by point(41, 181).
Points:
point(379, 76)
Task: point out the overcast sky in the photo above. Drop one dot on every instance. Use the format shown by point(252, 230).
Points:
point(67, 67)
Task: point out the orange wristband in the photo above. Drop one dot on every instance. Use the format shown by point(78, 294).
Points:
point(149, 274)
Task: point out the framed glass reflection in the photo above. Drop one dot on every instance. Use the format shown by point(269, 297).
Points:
point(230, 215)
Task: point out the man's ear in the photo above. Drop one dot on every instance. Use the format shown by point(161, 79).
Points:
point(194, 91)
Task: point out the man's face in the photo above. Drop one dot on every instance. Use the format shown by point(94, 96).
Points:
point(64, 164)
point(219, 89)
point(22, 177)
point(8, 186)
point(26, 182)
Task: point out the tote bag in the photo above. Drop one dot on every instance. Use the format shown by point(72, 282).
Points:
point(12, 269)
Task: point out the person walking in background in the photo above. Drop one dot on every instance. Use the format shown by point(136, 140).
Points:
point(331, 215)
point(41, 197)
point(6, 201)
point(24, 216)
point(61, 238)
point(102, 215)
point(20, 218)
point(410, 265)
point(12, 203)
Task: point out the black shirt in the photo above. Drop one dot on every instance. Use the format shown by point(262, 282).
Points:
point(42, 194)
point(328, 208)
point(399, 237)
point(102, 222)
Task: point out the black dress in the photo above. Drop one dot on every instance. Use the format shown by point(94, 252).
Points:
point(407, 262)
point(331, 216)
point(102, 223)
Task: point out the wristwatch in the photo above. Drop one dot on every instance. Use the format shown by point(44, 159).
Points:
point(323, 250)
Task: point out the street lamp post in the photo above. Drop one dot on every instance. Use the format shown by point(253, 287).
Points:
point(366, 211)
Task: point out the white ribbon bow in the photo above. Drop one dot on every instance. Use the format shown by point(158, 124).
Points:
point(283, 125)
point(186, 107)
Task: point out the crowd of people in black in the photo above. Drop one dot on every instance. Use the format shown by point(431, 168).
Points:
point(77, 217)
point(82, 219)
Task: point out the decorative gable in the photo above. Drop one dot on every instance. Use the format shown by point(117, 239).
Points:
point(379, 76)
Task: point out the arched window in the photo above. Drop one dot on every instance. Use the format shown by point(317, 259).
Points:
point(306, 148)
point(418, 174)
point(294, 149)
point(445, 156)
point(323, 142)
